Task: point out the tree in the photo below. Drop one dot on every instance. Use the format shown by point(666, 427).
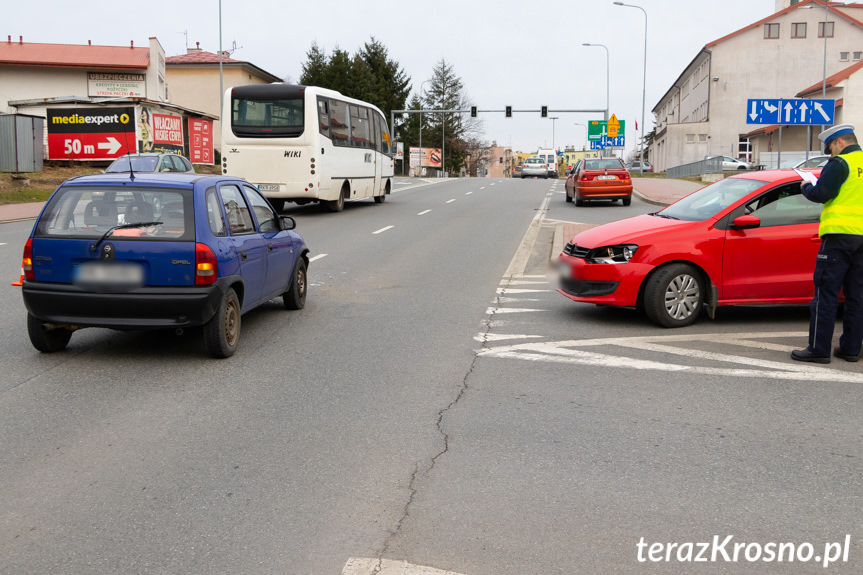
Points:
point(315, 67)
point(393, 85)
point(369, 75)
point(446, 92)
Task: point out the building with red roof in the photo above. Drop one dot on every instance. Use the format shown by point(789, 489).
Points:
point(704, 112)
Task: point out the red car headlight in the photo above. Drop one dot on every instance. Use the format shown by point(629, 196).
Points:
point(611, 254)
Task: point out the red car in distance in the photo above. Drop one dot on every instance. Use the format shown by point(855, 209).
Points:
point(750, 239)
point(599, 179)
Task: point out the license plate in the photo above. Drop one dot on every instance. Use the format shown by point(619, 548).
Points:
point(606, 177)
point(564, 270)
point(109, 275)
point(268, 187)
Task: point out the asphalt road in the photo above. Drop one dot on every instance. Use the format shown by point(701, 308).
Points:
point(435, 404)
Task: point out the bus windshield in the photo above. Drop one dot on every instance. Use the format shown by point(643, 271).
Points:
point(267, 114)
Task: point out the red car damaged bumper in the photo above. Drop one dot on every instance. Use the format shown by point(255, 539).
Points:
point(599, 283)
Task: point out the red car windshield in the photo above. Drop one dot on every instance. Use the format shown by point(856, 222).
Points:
point(710, 200)
point(610, 164)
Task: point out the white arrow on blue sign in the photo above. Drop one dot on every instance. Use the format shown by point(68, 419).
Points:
point(790, 111)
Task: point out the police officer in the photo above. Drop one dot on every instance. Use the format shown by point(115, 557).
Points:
point(839, 265)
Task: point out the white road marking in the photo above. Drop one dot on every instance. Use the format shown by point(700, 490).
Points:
point(468, 193)
point(383, 230)
point(496, 310)
point(450, 201)
point(571, 352)
point(424, 212)
point(317, 257)
point(512, 291)
point(375, 566)
point(482, 187)
point(503, 336)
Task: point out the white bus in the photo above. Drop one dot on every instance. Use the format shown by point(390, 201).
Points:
point(306, 144)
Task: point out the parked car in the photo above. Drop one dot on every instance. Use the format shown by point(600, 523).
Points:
point(534, 167)
point(599, 179)
point(516, 171)
point(730, 164)
point(635, 166)
point(803, 163)
point(749, 239)
point(151, 162)
point(158, 251)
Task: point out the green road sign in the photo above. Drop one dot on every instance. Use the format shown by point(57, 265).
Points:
point(613, 128)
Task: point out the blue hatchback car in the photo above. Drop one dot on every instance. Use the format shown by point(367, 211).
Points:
point(137, 251)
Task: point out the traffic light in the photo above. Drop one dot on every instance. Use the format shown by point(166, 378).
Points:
point(509, 111)
point(473, 111)
point(544, 112)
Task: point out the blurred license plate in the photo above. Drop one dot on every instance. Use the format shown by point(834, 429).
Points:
point(268, 187)
point(606, 177)
point(126, 275)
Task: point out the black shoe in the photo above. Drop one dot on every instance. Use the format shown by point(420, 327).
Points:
point(845, 356)
point(806, 355)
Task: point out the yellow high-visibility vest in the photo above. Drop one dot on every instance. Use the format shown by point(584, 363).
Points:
point(844, 213)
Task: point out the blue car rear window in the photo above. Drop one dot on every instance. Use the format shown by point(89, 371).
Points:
point(89, 212)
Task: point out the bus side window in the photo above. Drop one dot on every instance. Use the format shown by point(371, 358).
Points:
point(339, 123)
point(376, 132)
point(324, 116)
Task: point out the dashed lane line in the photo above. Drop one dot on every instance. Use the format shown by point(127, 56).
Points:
point(317, 257)
point(382, 230)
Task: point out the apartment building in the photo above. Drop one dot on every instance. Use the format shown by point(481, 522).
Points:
point(703, 113)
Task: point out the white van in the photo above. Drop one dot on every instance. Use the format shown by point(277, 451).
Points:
point(549, 156)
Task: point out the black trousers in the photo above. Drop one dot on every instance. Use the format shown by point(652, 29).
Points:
point(839, 267)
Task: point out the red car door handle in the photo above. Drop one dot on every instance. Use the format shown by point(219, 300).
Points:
point(815, 239)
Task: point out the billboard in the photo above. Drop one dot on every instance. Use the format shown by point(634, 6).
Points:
point(114, 85)
point(160, 132)
point(201, 141)
point(426, 157)
point(90, 133)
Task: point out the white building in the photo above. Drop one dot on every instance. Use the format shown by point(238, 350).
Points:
point(704, 112)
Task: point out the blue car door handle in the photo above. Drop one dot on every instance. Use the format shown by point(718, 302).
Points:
point(244, 256)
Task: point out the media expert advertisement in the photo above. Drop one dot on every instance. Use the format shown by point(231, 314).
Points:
point(159, 132)
point(201, 141)
point(90, 133)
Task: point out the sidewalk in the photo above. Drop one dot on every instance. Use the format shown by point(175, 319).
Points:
point(20, 212)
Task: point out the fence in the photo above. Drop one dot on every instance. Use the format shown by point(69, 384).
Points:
point(708, 166)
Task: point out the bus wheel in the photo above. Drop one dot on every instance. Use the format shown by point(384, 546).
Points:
point(339, 204)
point(383, 197)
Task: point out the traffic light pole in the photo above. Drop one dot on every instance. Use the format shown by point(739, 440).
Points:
point(508, 110)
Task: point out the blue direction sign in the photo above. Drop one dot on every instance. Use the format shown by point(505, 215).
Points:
point(790, 111)
point(606, 142)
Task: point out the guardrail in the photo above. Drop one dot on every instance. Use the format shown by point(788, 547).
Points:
point(708, 166)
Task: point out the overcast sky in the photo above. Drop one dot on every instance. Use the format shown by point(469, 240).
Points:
point(523, 54)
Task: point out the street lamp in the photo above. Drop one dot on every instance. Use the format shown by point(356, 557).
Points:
point(553, 118)
point(607, 75)
point(585, 134)
point(824, 80)
point(644, 87)
point(422, 105)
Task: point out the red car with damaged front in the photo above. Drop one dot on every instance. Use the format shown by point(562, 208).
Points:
point(745, 240)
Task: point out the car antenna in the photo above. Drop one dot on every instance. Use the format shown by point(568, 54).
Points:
point(128, 154)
